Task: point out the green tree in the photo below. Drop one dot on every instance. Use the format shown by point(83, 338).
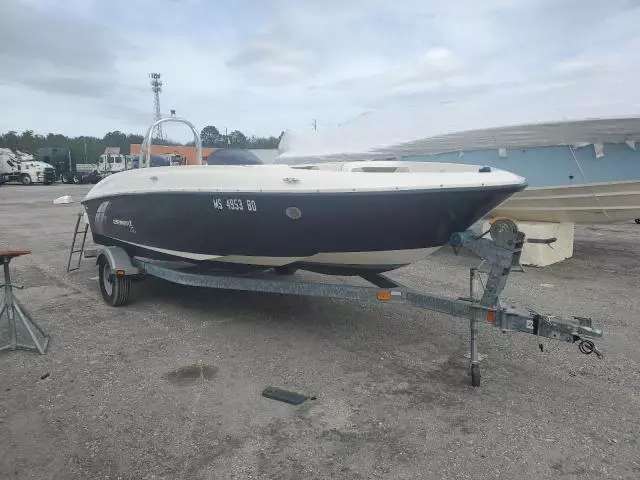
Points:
point(238, 139)
point(133, 139)
point(116, 139)
point(11, 140)
point(28, 141)
point(209, 136)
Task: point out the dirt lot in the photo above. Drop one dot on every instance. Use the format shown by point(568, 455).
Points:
point(169, 387)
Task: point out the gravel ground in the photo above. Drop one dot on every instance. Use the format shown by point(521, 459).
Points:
point(169, 386)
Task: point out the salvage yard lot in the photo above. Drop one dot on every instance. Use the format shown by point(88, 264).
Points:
point(169, 386)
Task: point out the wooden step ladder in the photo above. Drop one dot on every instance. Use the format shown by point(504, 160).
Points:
point(73, 243)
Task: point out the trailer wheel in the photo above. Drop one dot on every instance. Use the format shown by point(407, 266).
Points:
point(26, 179)
point(114, 289)
point(637, 220)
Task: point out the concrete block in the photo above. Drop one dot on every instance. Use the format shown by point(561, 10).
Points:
point(541, 254)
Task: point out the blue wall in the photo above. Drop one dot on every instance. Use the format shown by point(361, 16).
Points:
point(547, 166)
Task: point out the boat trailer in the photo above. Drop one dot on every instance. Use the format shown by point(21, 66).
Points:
point(499, 255)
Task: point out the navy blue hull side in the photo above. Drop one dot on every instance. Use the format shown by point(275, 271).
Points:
point(289, 224)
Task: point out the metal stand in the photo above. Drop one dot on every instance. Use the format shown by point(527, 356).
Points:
point(474, 363)
point(17, 315)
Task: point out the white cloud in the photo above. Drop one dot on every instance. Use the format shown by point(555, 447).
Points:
point(440, 59)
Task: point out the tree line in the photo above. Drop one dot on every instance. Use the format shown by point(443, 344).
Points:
point(211, 137)
point(90, 148)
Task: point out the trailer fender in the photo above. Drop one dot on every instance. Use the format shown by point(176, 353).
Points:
point(118, 260)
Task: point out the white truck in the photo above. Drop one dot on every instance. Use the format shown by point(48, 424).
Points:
point(112, 161)
point(16, 166)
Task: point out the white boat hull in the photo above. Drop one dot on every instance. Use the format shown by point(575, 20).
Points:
point(610, 202)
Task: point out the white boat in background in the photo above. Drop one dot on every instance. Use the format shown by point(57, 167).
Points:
point(604, 202)
point(584, 170)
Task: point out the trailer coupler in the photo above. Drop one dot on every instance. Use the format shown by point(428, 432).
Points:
point(572, 331)
point(517, 319)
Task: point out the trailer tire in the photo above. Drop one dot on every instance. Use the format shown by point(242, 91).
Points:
point(115, 290)
point(25, 179)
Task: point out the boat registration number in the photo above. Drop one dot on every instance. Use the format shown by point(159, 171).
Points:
point(237, 204)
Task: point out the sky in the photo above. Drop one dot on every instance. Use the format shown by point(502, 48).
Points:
point(80, 67)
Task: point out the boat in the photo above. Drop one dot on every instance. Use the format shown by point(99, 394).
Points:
point(580, 170)
point(335, 218)
point(585, 171)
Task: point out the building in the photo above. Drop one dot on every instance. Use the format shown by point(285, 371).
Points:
point(188, 153)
